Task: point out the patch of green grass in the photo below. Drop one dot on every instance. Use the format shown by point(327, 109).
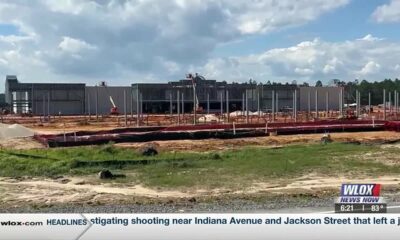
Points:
point(242, 167)
point(76, 160)
point(237, 168)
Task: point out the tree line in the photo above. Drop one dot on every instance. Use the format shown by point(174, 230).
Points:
point(364, 87)
point(374, 88)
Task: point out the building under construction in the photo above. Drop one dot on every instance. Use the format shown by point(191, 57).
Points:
point(210, 96)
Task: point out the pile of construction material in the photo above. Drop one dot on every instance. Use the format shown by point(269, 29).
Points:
point(257, 113)
point(243, 113)
point(208, 118)
point(14, 131)
point(237, 113)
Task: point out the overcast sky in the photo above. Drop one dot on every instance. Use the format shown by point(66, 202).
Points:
point(127, 41)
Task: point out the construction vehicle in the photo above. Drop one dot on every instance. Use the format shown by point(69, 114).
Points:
point(114, 109)
point(5, 111)
point(189, 76)
point(348, 115)
point(29, 113)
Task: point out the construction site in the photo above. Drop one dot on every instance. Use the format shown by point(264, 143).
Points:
point(186, 141)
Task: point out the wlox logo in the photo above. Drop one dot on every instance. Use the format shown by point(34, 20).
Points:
point(360, 190)
point(360, 193)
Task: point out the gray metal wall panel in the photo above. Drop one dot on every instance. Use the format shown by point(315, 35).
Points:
point(104, 103)
point(65, 107)
point(333, 98)
point(68, 102)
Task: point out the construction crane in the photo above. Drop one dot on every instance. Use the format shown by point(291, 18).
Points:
point(189, 76)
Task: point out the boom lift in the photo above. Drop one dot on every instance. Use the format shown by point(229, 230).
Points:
point(114, 109)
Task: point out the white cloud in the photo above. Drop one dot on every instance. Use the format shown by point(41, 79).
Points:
point(329, 69)
point(370, 68)
point(68, 6)
point(14, 39)
point(304, 71)
point(388, 12)
point(72, 45)
point(257, 16)
point(370, 38)
point(311, 60)
point(170, 67)
point(332, 66)
point(3, 61)
point(131, 36)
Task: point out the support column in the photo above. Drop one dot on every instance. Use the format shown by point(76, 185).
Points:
point(33, 109)
point(342, 100)
point(277, 104)
point(316, 104)
point(227, 105)
point(293, 110)
point(258, 102)
point(137, 107)
point(44, 108)
point(247, 108)
point(178, 106)
point(208, 103)
point(170, 104)
point(369, 103)
point(243, 104)
point(131, 105)
point(141, 106)
point(295, 105)
point(97, 103)
point(309, 104)
point(183, 105)
point(48, 105)
point(384, 104)
point(357, 104)
point(327, 103)
point(194, 107)
point(88, 101)
point(340, 103)
point(273, 105)
point(221, 104)
point(397, 103)
point(125, 110)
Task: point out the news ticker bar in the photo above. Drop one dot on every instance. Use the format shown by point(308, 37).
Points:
point(199, 226)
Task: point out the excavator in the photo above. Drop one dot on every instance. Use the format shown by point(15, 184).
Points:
point(189, 76)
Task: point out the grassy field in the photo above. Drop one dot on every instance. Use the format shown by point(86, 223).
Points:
point(213, 169)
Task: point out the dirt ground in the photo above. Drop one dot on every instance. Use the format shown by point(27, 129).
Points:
point(20, 192)
point(20, 143)
point(227, 144)
point(88, 190)
point(57, 124)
